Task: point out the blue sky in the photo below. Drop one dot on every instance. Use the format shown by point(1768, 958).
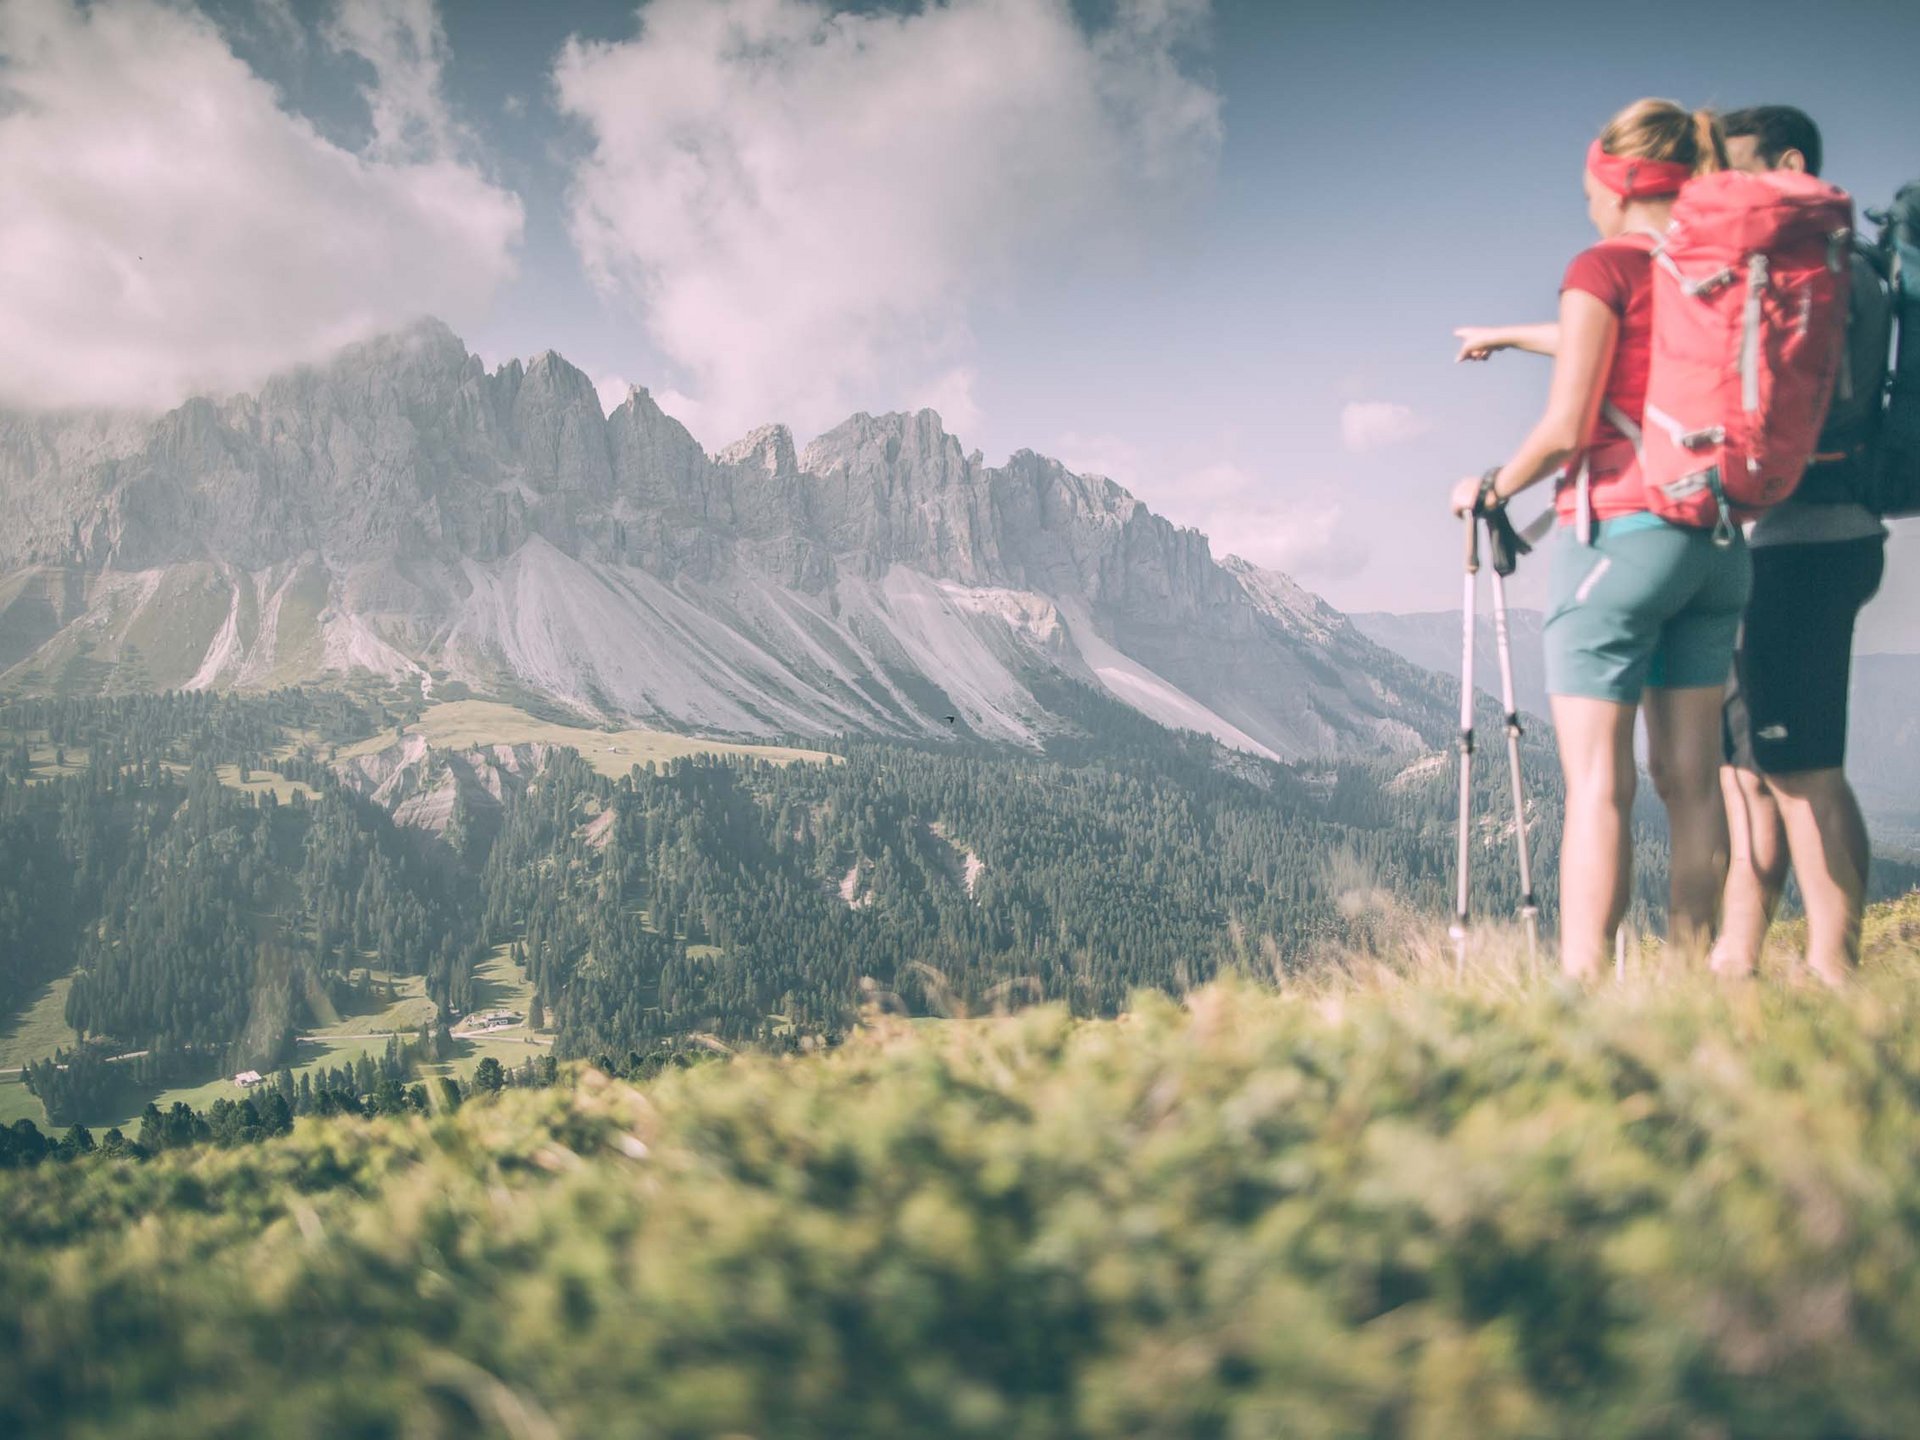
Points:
point(1239, 222)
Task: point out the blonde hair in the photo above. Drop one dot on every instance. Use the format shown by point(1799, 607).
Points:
point(1662, 130)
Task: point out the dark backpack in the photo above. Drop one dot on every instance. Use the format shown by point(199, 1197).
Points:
point(1845, 467)
point(1897, 473)
point(1869, 450)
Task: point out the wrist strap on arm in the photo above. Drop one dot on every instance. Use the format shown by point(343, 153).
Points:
point(1488, 500)
point(1503, 542)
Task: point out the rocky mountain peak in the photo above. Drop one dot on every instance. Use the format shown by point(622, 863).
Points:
point(656, 461)
point(562, 433)
point(768, 451)
point(1284, 597)
point(422, 358)
point(551, 382)
point(900, 450)
point(400, 509)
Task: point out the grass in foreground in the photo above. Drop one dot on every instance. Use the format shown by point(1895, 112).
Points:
point(1383, 1205)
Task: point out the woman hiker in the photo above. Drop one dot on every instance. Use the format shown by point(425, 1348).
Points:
point(1643, 613)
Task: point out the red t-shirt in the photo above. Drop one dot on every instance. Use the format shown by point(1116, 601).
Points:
point(1619, 274)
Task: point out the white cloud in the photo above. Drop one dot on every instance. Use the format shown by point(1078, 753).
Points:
point(1222, 483)
point(168, 228)
point(690, 413)
point(803, 203)
point(403, 42)
point(1286, 529)
point(276, 20)
point(951, 396)
point(1110, 455)
point(1375, 424)
point(1305, 540)
point(612, 390)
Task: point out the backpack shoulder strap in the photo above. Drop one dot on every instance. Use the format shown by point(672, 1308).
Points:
point(1617, 418)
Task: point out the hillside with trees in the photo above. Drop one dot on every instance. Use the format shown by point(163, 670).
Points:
point(205, 918)
point(207, 910)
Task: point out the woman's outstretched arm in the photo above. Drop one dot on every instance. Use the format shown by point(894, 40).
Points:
point(1588, 332)
point(1478, 342)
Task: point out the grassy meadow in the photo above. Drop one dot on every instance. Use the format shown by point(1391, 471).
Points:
point(35, 1033)
point(469, 724)
point(42, 1029)
point(1384, 1202)
point(258, 781)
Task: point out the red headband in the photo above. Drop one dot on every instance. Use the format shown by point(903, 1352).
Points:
point(1633, 178)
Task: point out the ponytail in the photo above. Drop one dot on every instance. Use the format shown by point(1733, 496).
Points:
point(1709, 143)
point(1661, 130)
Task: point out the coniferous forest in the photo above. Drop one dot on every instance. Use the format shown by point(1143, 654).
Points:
point(702, 902)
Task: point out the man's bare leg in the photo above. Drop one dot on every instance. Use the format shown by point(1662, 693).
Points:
point(1827, 838)
point(1756, 872)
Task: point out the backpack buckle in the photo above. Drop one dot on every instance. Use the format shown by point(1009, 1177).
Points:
point(1723, 525)
point(1687, 486)
point(1697, 288)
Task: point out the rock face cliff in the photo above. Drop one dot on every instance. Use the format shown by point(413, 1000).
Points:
point(403, 511)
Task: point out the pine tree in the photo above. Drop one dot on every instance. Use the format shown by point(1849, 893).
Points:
point(276, 1115)
point(182, 1127)
point(22, 1144)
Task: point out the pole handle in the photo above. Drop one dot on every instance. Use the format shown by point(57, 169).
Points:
point(1473, 544)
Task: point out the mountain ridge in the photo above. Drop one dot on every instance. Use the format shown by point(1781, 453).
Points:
point(403, 510)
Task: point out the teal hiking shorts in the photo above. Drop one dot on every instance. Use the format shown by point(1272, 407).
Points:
point(1646, 605)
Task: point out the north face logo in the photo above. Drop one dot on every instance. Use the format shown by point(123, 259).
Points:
point(1773, 732)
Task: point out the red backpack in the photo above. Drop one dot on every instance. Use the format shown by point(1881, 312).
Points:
point(1750, 287)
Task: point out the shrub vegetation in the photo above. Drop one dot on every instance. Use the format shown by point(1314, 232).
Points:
point(1386, 1203)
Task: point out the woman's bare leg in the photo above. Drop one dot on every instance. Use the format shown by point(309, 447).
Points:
point(1683, 757)
point(1596, 845)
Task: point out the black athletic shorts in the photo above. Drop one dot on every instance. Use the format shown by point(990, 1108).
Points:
point(1787, 702)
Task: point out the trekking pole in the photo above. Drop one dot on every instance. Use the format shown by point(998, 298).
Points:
point(1503, 564)
point(1469, 597)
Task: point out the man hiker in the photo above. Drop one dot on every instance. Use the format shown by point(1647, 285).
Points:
point(1817, 559)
